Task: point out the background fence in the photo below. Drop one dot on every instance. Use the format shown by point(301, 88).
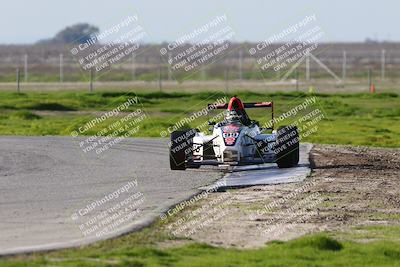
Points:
point(54, 63)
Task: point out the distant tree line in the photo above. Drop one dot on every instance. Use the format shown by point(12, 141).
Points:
point(78, 33)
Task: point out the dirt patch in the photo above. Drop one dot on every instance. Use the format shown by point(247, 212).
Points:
point(349, 186)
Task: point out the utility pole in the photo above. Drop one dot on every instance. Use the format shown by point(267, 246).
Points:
point(296, 73)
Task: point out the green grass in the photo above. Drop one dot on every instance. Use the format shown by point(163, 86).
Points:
point(369, 233)
point(141, 249)
point(23, 115)
point(354, 119)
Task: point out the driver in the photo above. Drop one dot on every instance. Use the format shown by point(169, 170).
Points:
point(236, 111)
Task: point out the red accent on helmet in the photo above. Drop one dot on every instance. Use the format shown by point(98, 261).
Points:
point(235, 104)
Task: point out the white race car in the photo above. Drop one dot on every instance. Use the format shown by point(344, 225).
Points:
point(236, 140)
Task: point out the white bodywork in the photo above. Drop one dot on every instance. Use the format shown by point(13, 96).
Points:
point(233, 144)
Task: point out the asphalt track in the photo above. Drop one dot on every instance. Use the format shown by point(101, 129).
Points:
point(55, 195)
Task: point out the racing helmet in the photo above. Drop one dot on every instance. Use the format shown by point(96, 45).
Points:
point(232, 115)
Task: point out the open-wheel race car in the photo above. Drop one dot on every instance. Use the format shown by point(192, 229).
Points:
point(237, 140)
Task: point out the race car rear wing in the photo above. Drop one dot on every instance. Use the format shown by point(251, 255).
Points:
point(249, 105)
point(246, 105)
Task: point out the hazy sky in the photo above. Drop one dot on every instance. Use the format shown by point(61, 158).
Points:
point(27, 21)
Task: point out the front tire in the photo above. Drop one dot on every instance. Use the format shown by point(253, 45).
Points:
point(180, 148)
point(287, 147)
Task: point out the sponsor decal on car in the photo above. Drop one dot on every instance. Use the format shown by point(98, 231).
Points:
point(230, 133)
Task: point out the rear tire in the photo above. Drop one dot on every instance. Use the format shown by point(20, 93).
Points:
point(180, 148)
point(287, 146)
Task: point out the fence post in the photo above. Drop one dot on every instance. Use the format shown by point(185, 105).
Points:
point(26, 68)
point(344, 66)
point(370, 80)
point(383, 59)
point(203, 74)
point(133, 66)
point(61, 68)
point(91, 81)
point(308, 67)
point(169, 66)
point(226, 81)
point(159, 79)
point(240, 64)
point(18, 89)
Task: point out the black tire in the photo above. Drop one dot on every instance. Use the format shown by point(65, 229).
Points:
point(180, 148)
point(261, 148)
point(287, 146)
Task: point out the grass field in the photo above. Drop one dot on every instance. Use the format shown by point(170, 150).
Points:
point(356, 119)
point(144, 249)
